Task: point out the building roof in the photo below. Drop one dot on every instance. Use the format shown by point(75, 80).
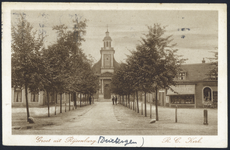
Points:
point(195, 72)
point(107, 38)
point(97, 66)
point(115, 64)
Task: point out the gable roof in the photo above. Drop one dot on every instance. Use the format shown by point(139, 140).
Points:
point(196, 72)
point(97, 67)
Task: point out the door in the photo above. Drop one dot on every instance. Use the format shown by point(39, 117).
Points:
point(107, 93)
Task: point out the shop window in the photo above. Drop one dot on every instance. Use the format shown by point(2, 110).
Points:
point(207, 94)
point(18, 95)
point(182, 99)
point(34, 97)
point(182, 76)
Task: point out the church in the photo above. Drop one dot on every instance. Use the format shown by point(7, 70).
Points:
point(105, 68)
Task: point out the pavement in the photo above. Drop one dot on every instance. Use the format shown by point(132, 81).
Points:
point(103, 118)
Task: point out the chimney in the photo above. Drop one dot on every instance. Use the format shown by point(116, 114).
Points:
point(203, 61)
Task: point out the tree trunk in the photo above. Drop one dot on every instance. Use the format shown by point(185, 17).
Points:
point(126, 100)
point(83, 99)
point(27, 104)
point(60, 102)
point(48, 103)
point(156, 103)
point(76, 96)
point(129, 100)
point(123, 100)
point(145, 106)
point(75, 99)
point(137, 103)
point(55, 103)
point(87, 98)
point(80, 99)
point(65, 101)
point(150, 110)
point(134, 102)
point(69, 100)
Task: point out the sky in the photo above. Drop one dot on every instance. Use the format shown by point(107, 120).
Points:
point(126, 27)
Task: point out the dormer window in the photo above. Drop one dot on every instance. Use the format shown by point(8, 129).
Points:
point(213, 76)
point(182, 75)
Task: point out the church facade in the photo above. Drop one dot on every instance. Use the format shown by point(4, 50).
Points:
point(105, 68)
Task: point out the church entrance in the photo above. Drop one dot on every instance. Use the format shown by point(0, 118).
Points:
point(107, 92)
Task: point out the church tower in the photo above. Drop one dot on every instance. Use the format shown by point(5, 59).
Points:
point(107, 55)
point(105, 67)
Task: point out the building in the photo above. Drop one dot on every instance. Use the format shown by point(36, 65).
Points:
point(36, 99)
point(193, 88)
point(105, 68)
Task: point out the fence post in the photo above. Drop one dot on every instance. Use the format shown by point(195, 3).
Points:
point(205, 117)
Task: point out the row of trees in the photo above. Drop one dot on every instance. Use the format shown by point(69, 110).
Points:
point(62, 67)
point(152, 66)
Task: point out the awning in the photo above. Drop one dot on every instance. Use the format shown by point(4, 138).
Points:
point(181, 90)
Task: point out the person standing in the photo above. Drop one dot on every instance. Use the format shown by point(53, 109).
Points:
point(116, 100)
point(113, 100)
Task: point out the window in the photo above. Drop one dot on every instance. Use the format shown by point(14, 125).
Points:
point(107, 44)
point(213, 76)
point(207, 94)
point(18, 95)
point(107, 61)
point(182, 76)
point(215, 96)
point(182, 99)
point(34, 97)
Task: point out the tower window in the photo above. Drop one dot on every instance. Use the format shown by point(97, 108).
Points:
point(107, 44)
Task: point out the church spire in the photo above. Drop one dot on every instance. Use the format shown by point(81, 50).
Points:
point(107, 39)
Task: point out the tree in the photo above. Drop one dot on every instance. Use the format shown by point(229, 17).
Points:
point(25, 50)
point(152, 66)
point(157, 61)
point(62, 60)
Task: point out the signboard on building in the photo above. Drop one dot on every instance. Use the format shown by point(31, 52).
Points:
point(181, 90)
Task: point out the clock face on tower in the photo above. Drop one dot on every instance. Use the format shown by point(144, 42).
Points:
point(107, 60)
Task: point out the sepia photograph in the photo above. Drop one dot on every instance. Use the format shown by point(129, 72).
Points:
point(111, 75)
